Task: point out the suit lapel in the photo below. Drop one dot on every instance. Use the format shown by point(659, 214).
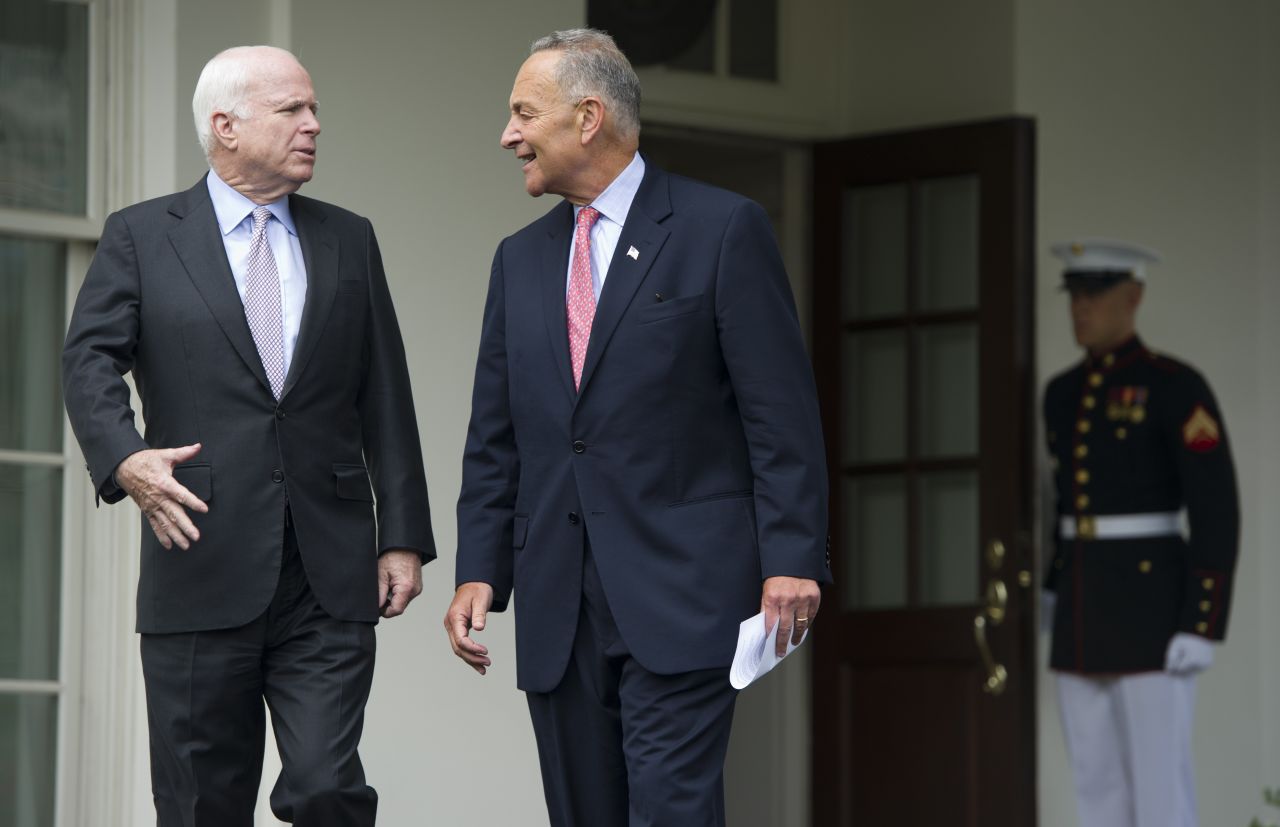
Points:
point(199, 246)
point(555, 267)
point(652, 204)
point(320, 256)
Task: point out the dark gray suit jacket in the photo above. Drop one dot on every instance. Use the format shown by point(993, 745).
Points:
point(159, 300)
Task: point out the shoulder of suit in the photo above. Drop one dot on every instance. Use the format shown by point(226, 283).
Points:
point(331, 212)
point(689, 194)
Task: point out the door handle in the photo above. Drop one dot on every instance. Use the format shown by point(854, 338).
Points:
point(997, 599)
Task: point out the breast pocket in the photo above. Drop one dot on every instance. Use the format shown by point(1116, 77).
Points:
point(670, 309)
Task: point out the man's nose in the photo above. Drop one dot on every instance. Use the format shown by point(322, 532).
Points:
point(510, 135)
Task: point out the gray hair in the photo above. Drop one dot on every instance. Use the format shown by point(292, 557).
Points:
point(592, 64)
point(224, 87)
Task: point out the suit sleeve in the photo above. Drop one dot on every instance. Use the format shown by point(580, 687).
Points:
point(392, 449)
point(99, 350)
point(490, 463)
point(1195, 429)
point(773, 383)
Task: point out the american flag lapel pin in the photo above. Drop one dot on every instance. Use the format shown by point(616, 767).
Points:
point(633, 253)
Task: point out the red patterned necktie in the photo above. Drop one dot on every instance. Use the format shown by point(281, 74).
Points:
point(262, 305)
point(581, 299)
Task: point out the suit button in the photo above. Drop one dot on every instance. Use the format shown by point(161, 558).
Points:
point(1202, 627)
point(277, 475)
point(279, 414)
point(573, 518)
point(579, 447)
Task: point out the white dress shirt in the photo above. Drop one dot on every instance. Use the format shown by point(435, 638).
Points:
point(614, 204)
point(235, 221)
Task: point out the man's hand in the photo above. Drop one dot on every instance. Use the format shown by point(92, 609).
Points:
point(793, 602)
point(399, 580)
point(147, 476)
point(467, 611)
point(1188, 654)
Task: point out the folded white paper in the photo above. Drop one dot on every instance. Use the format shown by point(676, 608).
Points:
point(756, 652)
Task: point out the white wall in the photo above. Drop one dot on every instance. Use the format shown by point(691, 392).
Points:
point(1152, 119)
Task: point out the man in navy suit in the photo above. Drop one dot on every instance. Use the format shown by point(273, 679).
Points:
point(644, 465)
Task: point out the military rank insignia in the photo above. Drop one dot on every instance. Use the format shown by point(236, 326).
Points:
point(1200, 432)
point(1127, 403)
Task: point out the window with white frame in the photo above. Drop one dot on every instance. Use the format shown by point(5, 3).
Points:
point(45, 220)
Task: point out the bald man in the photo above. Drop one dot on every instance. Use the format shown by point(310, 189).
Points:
point(261, 336)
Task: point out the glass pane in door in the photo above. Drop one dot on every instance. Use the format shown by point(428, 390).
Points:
point(947, 244)
point(948, 537)
point(875, 396)
point(875, 523)
point(875, 252)
point(947, 391)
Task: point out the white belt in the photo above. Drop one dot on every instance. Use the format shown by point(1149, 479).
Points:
point(1120, 526)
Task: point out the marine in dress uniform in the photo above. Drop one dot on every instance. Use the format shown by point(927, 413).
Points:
point(1139, 452)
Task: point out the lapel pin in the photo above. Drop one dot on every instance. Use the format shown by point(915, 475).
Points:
point(633, 254)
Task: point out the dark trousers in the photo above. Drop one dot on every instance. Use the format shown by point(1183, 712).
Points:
point(623, 747)
point(204, 708)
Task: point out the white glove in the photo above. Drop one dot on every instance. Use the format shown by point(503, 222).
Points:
point(1188, 654)
point(1048, 601)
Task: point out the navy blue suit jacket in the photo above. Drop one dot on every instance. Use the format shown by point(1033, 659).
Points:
point(692, 454)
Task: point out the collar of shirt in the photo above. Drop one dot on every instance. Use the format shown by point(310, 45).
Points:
point(615, 202)
point(232, 208)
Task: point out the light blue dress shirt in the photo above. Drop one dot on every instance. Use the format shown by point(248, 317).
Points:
point(614, 204)
point(235, 221)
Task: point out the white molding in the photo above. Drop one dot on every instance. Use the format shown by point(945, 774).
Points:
point(17, 686)
point(109, 786)
point(32, 458)
point(37, 224)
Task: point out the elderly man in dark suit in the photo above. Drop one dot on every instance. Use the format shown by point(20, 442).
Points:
point(644, 466)
point(262, 340)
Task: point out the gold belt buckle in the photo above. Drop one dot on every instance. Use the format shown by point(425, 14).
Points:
point(1086, 528)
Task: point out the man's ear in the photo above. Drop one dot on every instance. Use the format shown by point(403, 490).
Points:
point(1136, 289)
point(223, 126)
point(590, 115)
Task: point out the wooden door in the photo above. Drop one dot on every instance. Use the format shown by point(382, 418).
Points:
point(924, 678)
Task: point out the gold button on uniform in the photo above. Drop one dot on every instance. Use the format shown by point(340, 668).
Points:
point(1083, 426)
point(1145, 567)
point(1109, 360)
point(1082, 477)
point(1090, 402)
point(1207, 582)
point(1086, 528)
point(1095, 379)
point(1205, 606)
point(1082, 502)
point(1202, 627)
point(1121, 433)
point(1137, 415)
point(1082, 451)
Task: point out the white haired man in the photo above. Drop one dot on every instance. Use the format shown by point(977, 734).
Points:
point(262, 339)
